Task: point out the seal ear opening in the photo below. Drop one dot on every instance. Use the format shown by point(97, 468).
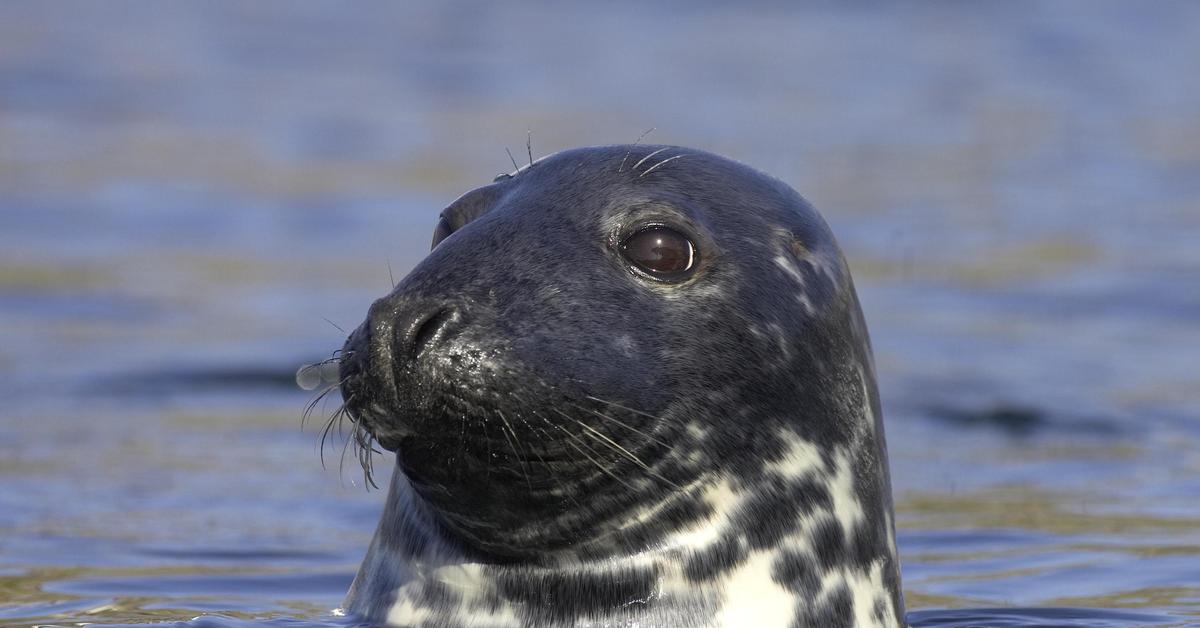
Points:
point(465, 209)
point(797, 247)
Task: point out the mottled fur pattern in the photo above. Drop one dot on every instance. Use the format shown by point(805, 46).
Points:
point(579, 444)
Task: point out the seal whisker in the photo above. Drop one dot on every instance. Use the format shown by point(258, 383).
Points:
point(462, 435)
point(599, 466)
point(512, 159)
point(643, 159)
point(334, 418)
point(360, 443)
point(549, 472)
point(317, 399)
point(622, 423)
point(512, 445)
point(361, 438)
point(529, 145)
point(342, 457)
point(627, 409)
point(621, 168)
point(364, 448)
point(488, 460)
point(611, 444)
point(651, 168)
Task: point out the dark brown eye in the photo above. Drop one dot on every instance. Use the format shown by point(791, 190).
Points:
point(440, 232)
point(660, 251)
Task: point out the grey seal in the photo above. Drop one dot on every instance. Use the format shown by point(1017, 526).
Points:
point(629, 385)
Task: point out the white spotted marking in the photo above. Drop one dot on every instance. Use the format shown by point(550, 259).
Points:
point(753, 598)
point(821, 264)
point(866, 590)
point(405, 613)
point(868, 412)
point(783, 340)
point(802, 458)
point(723, 500)
point(789, 267)
point(846, 507)
point(748, 594)
point(469, 582)
point(891, 531)
point(625, 344)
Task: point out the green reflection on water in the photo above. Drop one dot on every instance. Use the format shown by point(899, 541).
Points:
point(1026, 508)
point(27, 600)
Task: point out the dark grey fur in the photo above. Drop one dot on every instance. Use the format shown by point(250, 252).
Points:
point(580, 444)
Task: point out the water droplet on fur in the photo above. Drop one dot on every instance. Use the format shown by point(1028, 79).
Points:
point(311, 376)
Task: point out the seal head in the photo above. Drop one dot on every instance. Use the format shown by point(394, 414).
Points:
point(629, 384)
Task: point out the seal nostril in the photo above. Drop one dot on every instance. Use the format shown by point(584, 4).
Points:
point(431, 330)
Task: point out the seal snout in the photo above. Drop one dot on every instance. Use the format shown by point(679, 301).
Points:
point(384, 358)
point(405, 327)
point(365, 387)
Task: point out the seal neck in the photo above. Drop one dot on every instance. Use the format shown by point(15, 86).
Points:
point(414, 573)
point(805, 538)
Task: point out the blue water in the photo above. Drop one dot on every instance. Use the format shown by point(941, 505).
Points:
point(194, 197)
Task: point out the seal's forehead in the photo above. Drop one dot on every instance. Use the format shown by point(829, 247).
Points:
point(630, 162)
point(692, 173)
point(603, 193)
point(711, 189)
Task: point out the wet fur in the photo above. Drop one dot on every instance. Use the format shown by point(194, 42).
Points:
point(581, 445)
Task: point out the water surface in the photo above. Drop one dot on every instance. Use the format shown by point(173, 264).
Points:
point(195, 197)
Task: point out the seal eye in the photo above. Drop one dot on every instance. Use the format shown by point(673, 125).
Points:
point(662, 252)
point(441, 231)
